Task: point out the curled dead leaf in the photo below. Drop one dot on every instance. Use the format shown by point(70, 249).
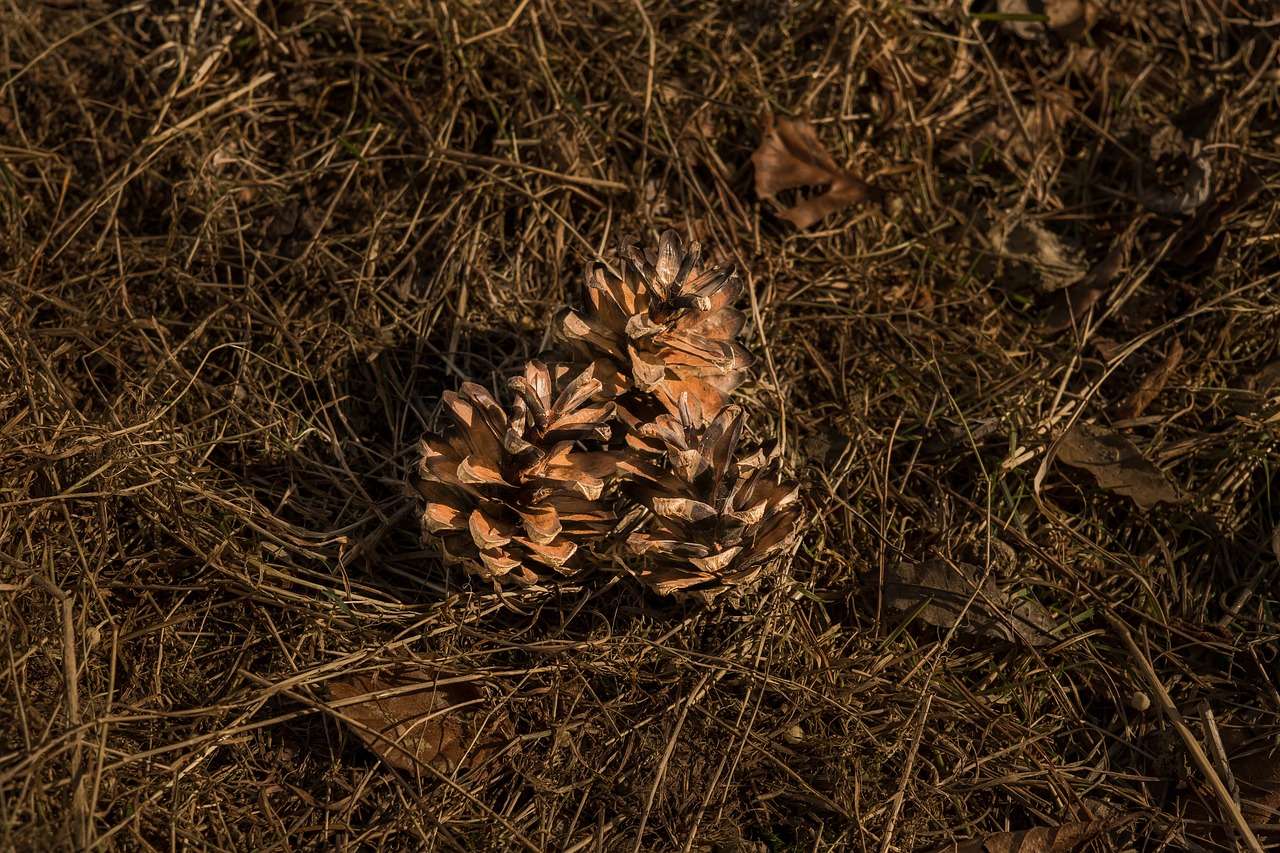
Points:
point(936, 591)
point(1255, 780)
point(1202, 230)
point(1018, 135)
point(1068, 838)
point(961, 435)
point(1033, 20)
point(1072, 303)
point(1152, 384)
point(1117, 464)
point(1033, 252)
point(410, 719)
point(790, 156)
point(1195, 190)
point(1115, 66)
point(1177, 149)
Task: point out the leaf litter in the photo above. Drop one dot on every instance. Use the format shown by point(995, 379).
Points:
point(1071, 304)
point(1067, 838)
point(1117, 464)
point(1172, 151)
point(1031, 251)
point(947, 594)
point(412, 719)
point(1199, 233)
point(790, 157)
point(1251, 773)
point(1257, 774)
point(1180, 161)
point(1152, 384)
point(1033, 20)
point(616, 752)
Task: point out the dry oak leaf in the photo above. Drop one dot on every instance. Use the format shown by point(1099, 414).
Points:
point(791, 156)
point(1116, 463)
point(1067, 838)
point(937, 591)
point(411, 718)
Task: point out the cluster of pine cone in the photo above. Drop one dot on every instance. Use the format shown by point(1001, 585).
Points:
point(629, 428)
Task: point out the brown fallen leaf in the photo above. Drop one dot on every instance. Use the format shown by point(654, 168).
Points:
point(1034, 19)
point(1189, 197)
point(1258, 774)
point(961, 434)
point(1116, 463)
point(1176, 149)
point(790, 156)
point(1072, 303)
point(890, 69)
point(1152, 384)
point(1199, 233)
point(1116, 67)
point(424, 722)
point(937, 591)
point(1255, 770)
point(1067, 838)
point(1018, 134)
point(1035, 253)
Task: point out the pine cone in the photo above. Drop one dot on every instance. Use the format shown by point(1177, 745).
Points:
point(668, 324)
point(511, 497)
point(719, 521)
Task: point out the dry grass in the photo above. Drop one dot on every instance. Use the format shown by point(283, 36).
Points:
point(246, 245)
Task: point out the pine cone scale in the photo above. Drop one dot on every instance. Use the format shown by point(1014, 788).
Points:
point(480, 471)
point(488, 532)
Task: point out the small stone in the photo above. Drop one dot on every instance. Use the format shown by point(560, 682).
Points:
point(1139, 701)
point(794, 734)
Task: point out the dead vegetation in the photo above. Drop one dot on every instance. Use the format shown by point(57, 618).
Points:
point(246, 247)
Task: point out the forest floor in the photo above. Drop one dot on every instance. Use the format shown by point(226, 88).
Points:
point(1032, 366)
